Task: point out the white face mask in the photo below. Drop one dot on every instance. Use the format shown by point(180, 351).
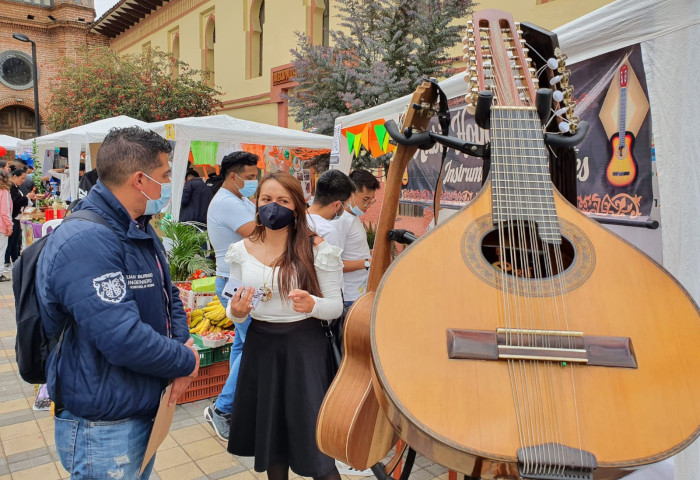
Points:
point(338, 215)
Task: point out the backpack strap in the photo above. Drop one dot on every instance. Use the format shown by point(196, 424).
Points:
point(88, 216)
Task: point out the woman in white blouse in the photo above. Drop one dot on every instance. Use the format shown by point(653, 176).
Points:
point(285, 366)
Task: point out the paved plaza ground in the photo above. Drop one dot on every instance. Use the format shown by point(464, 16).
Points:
point(191, 450)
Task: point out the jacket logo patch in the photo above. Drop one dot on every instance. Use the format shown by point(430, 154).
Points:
point(110, 287)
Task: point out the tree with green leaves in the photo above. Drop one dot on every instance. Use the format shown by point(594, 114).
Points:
point(150, 86)
point(381, 52)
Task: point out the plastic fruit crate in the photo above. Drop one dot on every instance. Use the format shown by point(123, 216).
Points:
point(206, 355)
point(219, 354)
point(192, 299)
point(208, 384)
point(222, 354)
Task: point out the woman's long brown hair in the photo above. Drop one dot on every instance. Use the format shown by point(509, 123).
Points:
point(296, 265)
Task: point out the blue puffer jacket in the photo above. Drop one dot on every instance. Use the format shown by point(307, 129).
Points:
point(116, 357)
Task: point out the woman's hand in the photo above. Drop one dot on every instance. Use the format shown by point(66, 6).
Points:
point(302, 301)
point(240, 305)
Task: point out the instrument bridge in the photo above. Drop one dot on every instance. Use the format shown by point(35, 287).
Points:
point(541, 345)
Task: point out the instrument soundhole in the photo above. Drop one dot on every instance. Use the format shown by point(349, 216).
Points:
point(517, 250)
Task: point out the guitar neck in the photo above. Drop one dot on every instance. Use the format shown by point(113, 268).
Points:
point(381, 258)
point(623, 114)
point(416, 119)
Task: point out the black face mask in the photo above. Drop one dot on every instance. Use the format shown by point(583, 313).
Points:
point(274, 216)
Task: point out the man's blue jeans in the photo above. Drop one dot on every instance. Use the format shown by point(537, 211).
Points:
point(225, 401)
point(98, 450)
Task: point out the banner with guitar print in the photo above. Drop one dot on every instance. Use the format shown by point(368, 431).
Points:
point(615, 159)
point(614, 165)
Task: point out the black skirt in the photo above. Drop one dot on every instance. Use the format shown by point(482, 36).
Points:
point(284, 374)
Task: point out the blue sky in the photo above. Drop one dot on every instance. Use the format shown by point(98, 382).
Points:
point(101, 6)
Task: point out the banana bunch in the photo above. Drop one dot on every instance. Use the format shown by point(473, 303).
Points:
point(211, 318)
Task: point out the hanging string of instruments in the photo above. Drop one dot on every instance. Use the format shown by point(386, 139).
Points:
point(519, 339)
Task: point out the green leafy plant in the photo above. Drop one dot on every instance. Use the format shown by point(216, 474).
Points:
point(186, 255)
point(371, 234)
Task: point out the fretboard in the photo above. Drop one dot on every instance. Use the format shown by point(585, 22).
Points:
point(521, 188)
point(623, 108)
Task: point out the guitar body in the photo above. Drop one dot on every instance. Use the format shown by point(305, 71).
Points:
point(622, 168)
point(351, 426)
point(461, 413)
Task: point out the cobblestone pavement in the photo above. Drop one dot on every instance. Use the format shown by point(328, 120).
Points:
point(191, 450)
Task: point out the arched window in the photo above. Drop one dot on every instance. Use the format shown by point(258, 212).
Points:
point(255, 45)
point(261, 21)
point(326, 22)
point(175, 51)
point(209, 42)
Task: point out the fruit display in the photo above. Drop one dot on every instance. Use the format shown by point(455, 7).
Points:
point(210, 319)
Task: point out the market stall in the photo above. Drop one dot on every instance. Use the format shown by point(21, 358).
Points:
point(220, 134)
point(8, 143)
point(78, 139)
point(656, 39)
point(657, 35)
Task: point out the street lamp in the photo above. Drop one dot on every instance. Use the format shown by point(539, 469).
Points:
point(24, 38)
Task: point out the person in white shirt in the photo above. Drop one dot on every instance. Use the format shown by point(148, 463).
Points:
point(333, 189)
point(230, 218)
point(353, 237)
point(285, 368)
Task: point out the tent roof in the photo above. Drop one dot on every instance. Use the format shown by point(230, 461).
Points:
point(10, 143)
point(93, 132)
point(223, 128)
point(625, 22)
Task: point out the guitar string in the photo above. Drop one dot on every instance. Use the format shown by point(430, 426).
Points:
point(496, 193)
point(510, 254)
point(530, 370)
point(552, 311)
point(529, 257)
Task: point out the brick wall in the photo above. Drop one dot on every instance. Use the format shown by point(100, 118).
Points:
point(54, 40)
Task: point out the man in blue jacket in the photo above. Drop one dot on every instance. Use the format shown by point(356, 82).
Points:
point(126, 331)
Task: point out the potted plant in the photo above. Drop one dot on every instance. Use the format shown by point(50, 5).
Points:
point(186, 254)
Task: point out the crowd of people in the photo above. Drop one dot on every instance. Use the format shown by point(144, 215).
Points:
point(297, 265)
point(16, 192)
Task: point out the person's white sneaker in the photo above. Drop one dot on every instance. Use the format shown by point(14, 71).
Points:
point(344, 469)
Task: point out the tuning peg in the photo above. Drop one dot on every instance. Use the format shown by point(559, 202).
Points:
point(552, 63)
point(558, 96)
point(564, 126)
point(554, 80)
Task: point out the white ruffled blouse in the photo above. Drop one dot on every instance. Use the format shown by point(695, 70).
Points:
point(252, 273)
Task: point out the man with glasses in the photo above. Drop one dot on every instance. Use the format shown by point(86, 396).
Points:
point(353, 237)
point(107, 289)
point(333, 189)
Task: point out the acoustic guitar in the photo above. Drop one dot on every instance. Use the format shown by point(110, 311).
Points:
point(498, 343)
point(622, 168)
point(351, 426)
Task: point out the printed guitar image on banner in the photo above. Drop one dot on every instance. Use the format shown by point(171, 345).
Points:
point(614, 161)
point(622, 168)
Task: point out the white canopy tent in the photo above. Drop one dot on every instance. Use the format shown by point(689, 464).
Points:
point(225, 130)
point(79, 138)
point(8, 142)
point(668, 31)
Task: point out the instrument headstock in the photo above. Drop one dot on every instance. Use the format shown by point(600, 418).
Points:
point(623, 76)
point(497, 54)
